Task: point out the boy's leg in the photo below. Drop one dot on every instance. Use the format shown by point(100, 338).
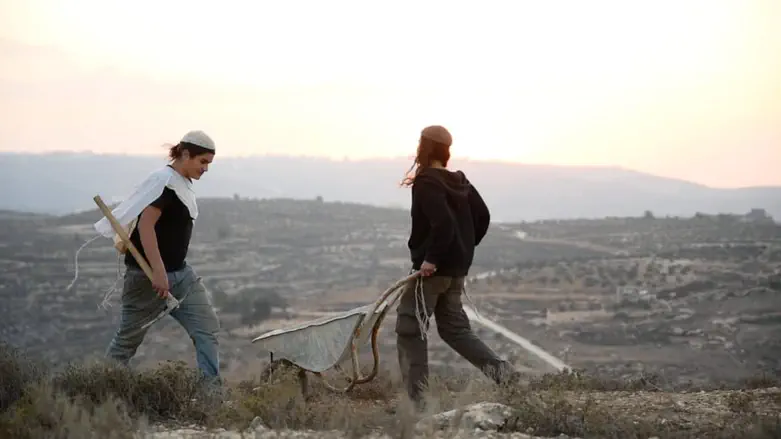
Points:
point(140, 304)
point(197, 316)
point(454, 328)
point(412, 348)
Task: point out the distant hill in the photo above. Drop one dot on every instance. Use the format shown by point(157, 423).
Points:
point(61, 183)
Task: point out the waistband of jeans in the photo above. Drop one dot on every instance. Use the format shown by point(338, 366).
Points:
point(131, 269)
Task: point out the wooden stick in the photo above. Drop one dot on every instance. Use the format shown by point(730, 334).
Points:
point(123, 235)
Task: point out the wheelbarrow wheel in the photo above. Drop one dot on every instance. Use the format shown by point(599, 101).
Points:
point(375, 351)
point(355, 373)
point(357, 378)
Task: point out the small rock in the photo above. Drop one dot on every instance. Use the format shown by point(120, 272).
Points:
point(257, 424)
point(485, 416)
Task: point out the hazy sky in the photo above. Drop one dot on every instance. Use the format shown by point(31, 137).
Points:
point(689, 89)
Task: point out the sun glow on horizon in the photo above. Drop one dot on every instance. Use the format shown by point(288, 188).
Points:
point(648, 86)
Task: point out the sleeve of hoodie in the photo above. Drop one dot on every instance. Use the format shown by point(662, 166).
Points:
point(481, 216)
point(433, 202)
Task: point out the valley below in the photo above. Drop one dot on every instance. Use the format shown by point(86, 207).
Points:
point(682, 299)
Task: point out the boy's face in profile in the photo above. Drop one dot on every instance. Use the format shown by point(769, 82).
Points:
point(195, 167)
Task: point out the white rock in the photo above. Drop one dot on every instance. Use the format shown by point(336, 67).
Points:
point(486, 416)
point(257, 424)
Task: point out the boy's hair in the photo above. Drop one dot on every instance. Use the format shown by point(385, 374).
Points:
point(195, 142)
point(428, 152)
point(175, 151)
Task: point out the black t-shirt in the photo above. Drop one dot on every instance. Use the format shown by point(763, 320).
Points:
point(173, 229)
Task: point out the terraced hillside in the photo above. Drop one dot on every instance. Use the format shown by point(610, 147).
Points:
point(264, 261)
point(689, 298)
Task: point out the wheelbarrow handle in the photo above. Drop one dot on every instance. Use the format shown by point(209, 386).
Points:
point(385, 294)
point(123, 235)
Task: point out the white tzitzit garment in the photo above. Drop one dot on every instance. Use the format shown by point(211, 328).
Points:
point(145, 193)
point(129, 209)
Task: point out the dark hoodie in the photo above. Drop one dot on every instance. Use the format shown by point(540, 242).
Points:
point(449, 219)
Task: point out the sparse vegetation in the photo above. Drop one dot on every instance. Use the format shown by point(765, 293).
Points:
point(102, 401)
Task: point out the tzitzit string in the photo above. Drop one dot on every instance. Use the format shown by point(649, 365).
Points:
point(105, 303)
point(76, 261)
point(421, 312)
point(469, 299)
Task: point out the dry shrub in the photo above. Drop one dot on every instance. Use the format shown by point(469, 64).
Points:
point(94, 400)
point(580, 380)
point(763, 380)
point(44, 413)
point(552, 415)
point(170, 392)
point(564, 403)
point(278, 401)
point(17, 372)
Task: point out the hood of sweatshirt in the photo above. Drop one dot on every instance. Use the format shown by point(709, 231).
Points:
point(455, 182)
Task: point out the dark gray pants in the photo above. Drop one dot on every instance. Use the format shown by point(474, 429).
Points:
point(442, 298)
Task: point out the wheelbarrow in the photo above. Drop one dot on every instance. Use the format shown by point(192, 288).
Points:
point(327, 343)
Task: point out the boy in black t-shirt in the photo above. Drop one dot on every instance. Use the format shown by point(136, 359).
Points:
point(173, 230)
point(162, 236)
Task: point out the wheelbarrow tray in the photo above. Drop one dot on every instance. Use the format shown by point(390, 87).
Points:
point(326, 343)
point(320, 344)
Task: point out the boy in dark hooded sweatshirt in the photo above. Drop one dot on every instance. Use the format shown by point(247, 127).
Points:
point(449, 219)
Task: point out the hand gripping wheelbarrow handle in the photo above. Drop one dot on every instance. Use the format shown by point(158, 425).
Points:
point(171, 301)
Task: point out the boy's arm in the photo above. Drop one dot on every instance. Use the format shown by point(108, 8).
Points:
point(481, 216)
point(146, 231)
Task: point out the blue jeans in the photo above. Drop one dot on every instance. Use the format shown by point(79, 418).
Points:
point(140, 304)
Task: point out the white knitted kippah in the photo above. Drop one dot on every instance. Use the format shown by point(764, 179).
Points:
point(199, 138)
